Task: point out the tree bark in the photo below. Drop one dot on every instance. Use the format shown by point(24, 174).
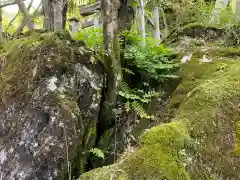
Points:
point(54, 14)
point(58, 14)
point(109, 11)
point(157, 33)
point(15, 17)
point(237, 10)
point(166, 32)
point(24, 22)
point(142, 24)
point(126, 15)
point(48, 21)
point(65, 8)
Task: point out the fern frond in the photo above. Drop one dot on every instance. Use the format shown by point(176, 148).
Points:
point(97, 153)
point(127, 106)
point(139, 110)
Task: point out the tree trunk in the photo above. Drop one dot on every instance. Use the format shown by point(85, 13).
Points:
point(142, 24)
point(106, 118)
point(126, 15)
point(55, 12)
point(26, 14)
point(15, 17)
point(219, 5)
point(166, 31)
point(58, 14)
point(157, 33)
point(25, 22)
point(48, 21)
point(65, 8)
point(237, 10)
point(1, 28)
point(112, 49)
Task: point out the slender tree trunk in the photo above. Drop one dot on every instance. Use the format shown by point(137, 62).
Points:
point(166, 32)
point(23, 24)
point(112, 56)
point(26, 14)
point(219, 5)
point(126, 15)
point(65, 8)
point(142, 24)
point(15, 17)
point(1, 27)
point(55, 12)
point(58, 14)
point(157, 33)
point(48, 21)
point(237, 10)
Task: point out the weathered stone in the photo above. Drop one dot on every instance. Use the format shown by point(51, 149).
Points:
point(43, 125)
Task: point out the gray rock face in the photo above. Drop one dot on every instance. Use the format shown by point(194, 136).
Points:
point(39, 134)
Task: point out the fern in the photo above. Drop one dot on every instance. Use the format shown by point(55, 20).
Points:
point(156, 61)
point(135, 99)
point(97, 153)
point(127, 106)
point(92, 37)
point(139, 110)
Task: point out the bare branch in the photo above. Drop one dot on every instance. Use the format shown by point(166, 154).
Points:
point(25, 22)
point(15, 17)
point(12, 2)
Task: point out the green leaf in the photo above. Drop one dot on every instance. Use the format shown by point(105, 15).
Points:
point(97, 153)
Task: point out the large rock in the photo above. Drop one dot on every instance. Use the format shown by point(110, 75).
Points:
point(50, 99)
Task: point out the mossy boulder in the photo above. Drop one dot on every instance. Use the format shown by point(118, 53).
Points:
point(201, 141)
point(49, 103)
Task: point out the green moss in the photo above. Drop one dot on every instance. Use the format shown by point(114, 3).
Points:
point(30, 63)
point(216, 53)
point(236, 150)
point(198, 136)
point(160, 153)
point(30, 59)
point(192, 75)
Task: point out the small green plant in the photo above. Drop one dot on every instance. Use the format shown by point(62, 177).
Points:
point(135, 99)
point(92, 37)
point(97, 153)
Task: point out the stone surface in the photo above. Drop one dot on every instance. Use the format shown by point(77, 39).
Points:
point(45, 122)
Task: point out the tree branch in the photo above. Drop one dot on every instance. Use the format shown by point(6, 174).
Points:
point(15, 17)
point(25, 22)
point(8, 4)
